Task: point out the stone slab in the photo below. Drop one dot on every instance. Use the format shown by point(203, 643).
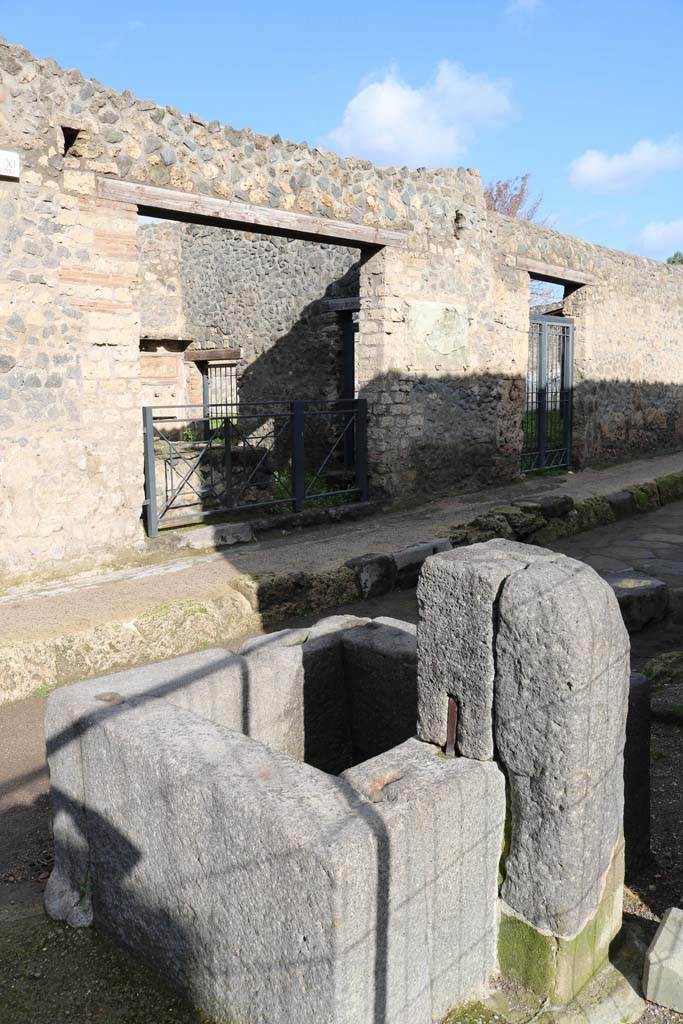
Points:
point(219, 535)
point(409, 561)
point(642, 599)
point(663, 973)
point(441, 821)
point(554, 505)
point(66, 896)
point(457, 597)
point(375, 574)
point(623, 504)
point(561, 692)
point(381, 674)
point(310, 899)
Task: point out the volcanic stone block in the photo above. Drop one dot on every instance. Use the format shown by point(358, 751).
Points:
point(440, 822)
point(558, 968)
point(623, 504)
point(266, 890)
point(562, 676)
point(670, 487)
point(410, 560)
point(294, 698)
point(375, 574)
point(457, 597)
point(554, 505)
point(637, 776)
point(642, 598)
point(67, 894)
point(278, 638)
point(381, 674)
point(663, 974)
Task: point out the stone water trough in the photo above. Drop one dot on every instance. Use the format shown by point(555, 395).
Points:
point(282, 835)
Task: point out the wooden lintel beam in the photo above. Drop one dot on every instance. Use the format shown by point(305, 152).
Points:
point(191, 206)
point(340, 305)
point(553, 273)
point(202, 355)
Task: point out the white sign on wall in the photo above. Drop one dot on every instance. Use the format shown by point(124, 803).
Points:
point(10, 164)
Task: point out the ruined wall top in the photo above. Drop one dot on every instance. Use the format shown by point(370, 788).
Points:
point(126, 137)
point(140, 141)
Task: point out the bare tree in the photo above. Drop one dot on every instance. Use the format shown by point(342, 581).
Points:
point(510, 196)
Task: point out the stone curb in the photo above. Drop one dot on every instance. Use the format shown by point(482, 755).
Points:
point(254, 602)
point(213, 536)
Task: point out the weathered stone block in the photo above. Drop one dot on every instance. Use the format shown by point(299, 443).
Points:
point(441, 820)
point(375, 574)
point(558, 526)
point(555, 505)
point(457, 596)
point(370, 914)
point(645, 495)
point(216, 536)
point(623, 504)
point(558, 968)
point(641, 598)
point(67, 895)
point(663, 974)
point(670, 487)
point(562, 672)
point(594, 511)
point(381, 674)
point(409, 560)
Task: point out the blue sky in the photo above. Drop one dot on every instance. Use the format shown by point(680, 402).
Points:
point(586, 96)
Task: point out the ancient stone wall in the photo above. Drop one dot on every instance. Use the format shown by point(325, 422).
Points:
point(628, 344)
point(224, 288)
point(441, 349)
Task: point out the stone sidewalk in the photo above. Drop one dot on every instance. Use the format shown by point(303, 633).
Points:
point(100, 622)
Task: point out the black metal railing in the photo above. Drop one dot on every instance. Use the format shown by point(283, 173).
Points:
point(202, 461)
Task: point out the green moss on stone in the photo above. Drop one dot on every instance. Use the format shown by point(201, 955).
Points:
point(526, 956)
point(556, 528)
point(646, 495)
point(594, 511)
point(665, 670)
point(329, 589)
point(559, 968)
point(670, 487)
point(473, 1013)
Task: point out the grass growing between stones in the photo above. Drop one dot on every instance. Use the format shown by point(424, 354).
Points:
point(52, 974)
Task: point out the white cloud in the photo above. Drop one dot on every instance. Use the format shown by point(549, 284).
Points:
point(595, 169)
point(663, 237)
point(521, 6)
point(391, 122)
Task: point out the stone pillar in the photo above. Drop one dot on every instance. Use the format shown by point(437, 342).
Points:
point(532, 646)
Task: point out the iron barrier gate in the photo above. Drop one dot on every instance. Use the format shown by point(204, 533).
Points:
point(547, 423)
point(203, 461)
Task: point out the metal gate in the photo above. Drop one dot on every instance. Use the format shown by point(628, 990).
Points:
point(547, 423)
point(219, 389)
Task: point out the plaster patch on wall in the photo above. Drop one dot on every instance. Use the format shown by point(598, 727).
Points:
point(441, 328)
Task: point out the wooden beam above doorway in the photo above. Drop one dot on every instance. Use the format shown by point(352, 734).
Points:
point(340, 305)
point(193, 207)
point(553, 273)
point(215, 355)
